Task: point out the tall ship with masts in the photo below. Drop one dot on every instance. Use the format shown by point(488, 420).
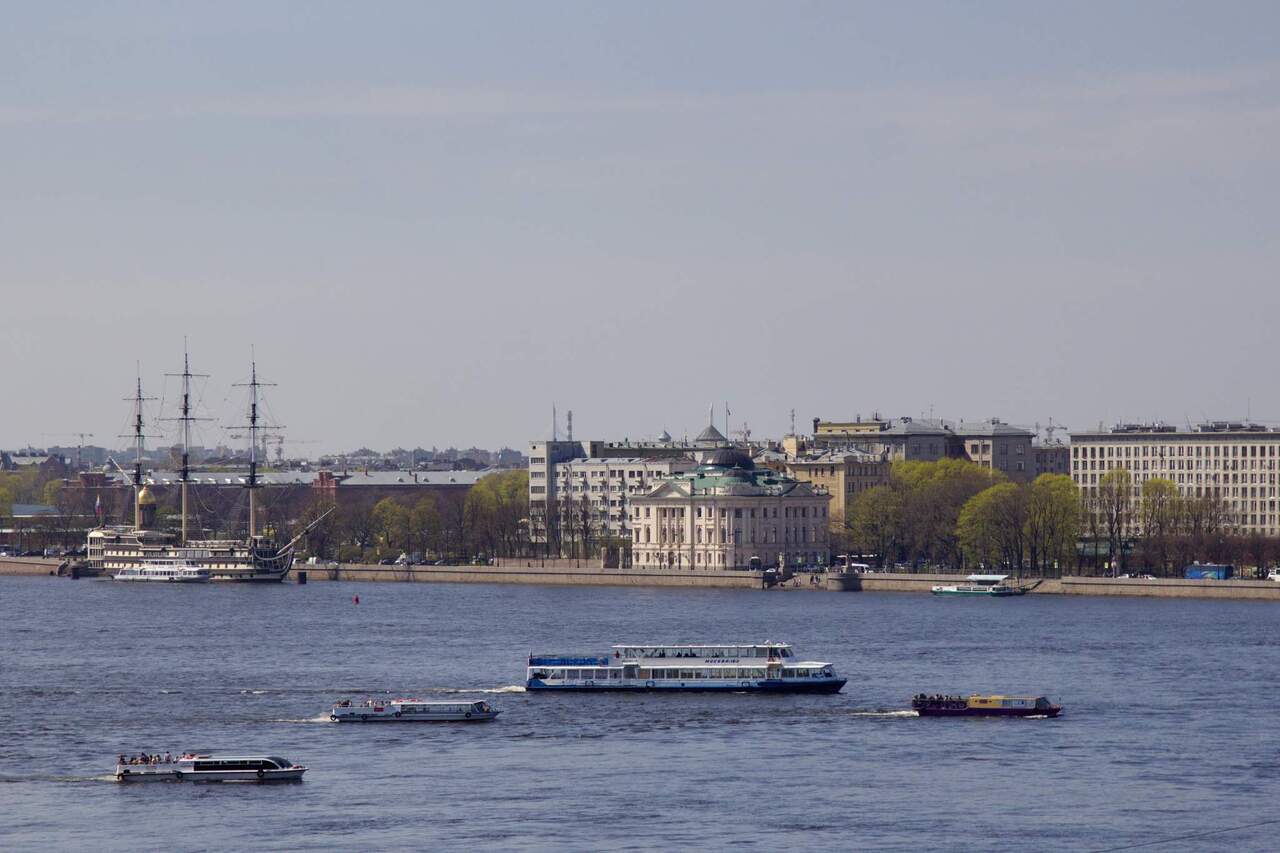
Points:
point(129, 550)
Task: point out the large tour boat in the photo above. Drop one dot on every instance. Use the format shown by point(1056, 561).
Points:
point(989, 585)
point(927, 705)
point(194, 767)
point(737, 667)
point(412, 711)
point(135, 551)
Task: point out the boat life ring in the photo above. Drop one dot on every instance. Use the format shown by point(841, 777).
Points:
point(333, 718)
point(177, 774)
point(650, 684)
point(397, 713)
point(467, 715)
point(261, 773)
point(746, 684)
point(364, 717)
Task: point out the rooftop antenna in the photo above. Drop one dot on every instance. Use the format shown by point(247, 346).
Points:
point(555, 424)
point(185, 419)
point(726, 420)
point(138, 437)
point(793, 421)
point(569, 424)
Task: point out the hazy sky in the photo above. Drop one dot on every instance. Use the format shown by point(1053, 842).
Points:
point(434, 220)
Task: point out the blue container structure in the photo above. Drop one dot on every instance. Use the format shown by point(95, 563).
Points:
point(1209, 572)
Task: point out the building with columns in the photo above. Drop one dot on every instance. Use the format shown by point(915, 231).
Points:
point(728, 514)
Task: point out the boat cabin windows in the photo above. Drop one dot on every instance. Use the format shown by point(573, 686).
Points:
point(736, 652)
point(220, 764)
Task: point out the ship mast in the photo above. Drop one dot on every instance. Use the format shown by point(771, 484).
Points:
point(252, 483)
point(186, 420)
point(138, 437)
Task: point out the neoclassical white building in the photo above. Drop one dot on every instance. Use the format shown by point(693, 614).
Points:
point(727, 514)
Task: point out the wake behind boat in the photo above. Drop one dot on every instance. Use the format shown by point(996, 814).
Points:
point(749, 668)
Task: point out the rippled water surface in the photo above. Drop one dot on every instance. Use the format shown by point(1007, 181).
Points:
point(1169, 728)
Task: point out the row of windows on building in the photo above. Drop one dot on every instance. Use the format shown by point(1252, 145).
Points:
point(1138, 451)
point(769, 535)
point(678, 512)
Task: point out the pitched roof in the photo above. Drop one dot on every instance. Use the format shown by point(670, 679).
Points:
point(710, 434)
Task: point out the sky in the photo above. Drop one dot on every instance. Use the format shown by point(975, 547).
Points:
point(430, 222)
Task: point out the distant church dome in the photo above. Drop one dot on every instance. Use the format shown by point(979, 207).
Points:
point(728, 457)
point(145, 498)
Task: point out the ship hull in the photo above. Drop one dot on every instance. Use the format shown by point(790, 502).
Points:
point(989, 712)
point(820, 687)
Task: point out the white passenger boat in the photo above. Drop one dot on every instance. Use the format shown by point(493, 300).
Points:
point(991, 585)
point(412, 711)
point(734, 667)
point(164, 571)
point(203, 767)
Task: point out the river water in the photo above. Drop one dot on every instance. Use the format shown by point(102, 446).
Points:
point(1169, 730)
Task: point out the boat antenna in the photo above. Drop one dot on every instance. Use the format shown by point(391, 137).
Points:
point(186, 418)
point(138, 442)
point(252, 483)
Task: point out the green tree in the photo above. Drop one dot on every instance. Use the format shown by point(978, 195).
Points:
point(391, 523)
point(1053, 521)
point(6, 502)
point(992, 526)
point(875, 522)
point(1158, 514)
point(424, 522)
point(933, 494)
point(1115, 506)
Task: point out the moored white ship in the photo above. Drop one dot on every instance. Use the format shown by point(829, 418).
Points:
point(734, 667)
point(412, 711)
point(164, 571)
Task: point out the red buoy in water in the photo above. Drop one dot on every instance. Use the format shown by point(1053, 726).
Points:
point(355, 599)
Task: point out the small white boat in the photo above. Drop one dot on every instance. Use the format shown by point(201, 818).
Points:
point(411, 711)
point(990, 585)
point(164, 571)
point(203, 767)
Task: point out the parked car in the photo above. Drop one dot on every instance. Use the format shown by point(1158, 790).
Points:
point(1274, 575)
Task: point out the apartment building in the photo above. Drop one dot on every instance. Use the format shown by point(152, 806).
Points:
point(1234, 461)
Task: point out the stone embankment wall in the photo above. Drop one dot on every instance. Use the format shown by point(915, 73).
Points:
point(1173, 588)
point(533, 573)
point(1158, 588)
point(28, 565)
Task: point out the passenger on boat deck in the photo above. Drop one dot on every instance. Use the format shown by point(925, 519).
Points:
point(122, 759)
point(168, 758)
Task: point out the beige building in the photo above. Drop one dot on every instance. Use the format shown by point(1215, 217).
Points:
point(903, 438)
point(1235, 462)
point(728, 514)
point(843, 474)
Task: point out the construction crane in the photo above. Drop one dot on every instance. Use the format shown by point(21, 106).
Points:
point(1049, 430)
point(79, 447)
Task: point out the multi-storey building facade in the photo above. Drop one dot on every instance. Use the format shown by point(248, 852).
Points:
point(1052, 458)
point(843, 474)
point(997, 446)
point(727, 514)
point(1234, 462)
point(904, 438)
point(592, 480)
